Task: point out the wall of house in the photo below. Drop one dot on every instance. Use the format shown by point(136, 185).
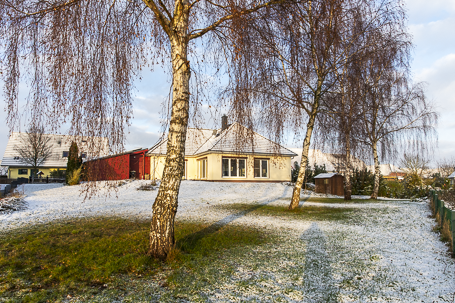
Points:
point(279, 168)
point(157, 166)
point(112, 168)
point(13, 172)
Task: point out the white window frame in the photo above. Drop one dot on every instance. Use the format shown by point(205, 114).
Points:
point(260, 168)
point(199, 163)
point(185, 176)
point(238, 167)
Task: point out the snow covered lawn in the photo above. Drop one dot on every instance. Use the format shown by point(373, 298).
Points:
point(326, 252)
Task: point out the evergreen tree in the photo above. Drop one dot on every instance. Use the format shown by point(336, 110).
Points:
point(74, 161)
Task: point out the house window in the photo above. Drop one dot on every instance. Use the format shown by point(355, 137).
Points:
point(185, 171)
point(233, 167)
point(83, 155)
point(261, 168)
point(23, 171)
point(65, 154)
point(326, 181)
point(202, 168)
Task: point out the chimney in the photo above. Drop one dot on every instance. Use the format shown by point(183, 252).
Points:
point(224, 122)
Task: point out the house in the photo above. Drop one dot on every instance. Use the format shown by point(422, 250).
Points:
point(17, 168)
point(233, 153)
point(452, 178)
point(390, 172)
point(130, 164)
point(329, 183)
point(333, 162)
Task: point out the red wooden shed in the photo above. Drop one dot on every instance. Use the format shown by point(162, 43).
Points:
point(132, 164)
point(329, 183)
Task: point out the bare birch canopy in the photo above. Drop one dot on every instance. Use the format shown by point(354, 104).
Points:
point(80, 57)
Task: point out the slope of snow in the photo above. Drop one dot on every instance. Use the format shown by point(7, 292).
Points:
point(383, 251)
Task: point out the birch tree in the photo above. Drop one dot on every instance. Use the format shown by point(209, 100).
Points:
point(297, 65)
point(83, 56)
point(395, 112)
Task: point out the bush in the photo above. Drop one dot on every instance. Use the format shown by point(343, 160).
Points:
point(309, 173)
point(58, 174)
point(74, 163)
point(74, 177)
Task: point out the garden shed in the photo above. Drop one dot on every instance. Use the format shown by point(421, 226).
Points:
point(132, 164)
point(330, 183)
point(451, 178)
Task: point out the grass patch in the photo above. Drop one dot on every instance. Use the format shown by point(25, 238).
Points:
point(310, 212)
point(339, 200)
point(47, 262)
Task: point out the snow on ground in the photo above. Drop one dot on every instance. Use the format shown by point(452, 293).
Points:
point(383, 251)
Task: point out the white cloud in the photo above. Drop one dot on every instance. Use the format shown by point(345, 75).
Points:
point(425, 11)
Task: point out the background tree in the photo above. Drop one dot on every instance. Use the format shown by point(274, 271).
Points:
point(34, 148)
point(446, 167)
point(296, 65)
point(396, 114)
point(74, 163)
point(84, 56)
point(414, 164)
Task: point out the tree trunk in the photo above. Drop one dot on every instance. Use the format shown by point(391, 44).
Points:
point(166, 202)
point(304, 161)
point(377, 172)
point(348, 185)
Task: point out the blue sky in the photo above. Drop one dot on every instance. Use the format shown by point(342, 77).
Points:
point(431, 25)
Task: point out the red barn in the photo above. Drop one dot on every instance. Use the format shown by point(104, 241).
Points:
point(131, 164)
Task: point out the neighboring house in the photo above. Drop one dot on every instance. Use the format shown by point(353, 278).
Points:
point(452, 178)
point(390, 171)
point(59, 158)
point(233, 153)
point(329, 183)
point(333, 162)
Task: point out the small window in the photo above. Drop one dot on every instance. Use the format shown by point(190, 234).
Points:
point(185, 171)
point(23, 171)
point(202, 168)
point(232, 167)
point(66, 154)
point(83, 155)
point(261, 168)
point(326, 181)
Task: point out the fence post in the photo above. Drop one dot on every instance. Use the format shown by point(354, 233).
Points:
point(452, 226)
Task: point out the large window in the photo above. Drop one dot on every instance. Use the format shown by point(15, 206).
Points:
point(233, 167)
point(261, 168)
point(202, 168)
point(23, 171)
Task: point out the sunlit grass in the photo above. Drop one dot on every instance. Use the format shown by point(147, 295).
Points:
point(339, 200)
point(310, 212)
point(46, 262)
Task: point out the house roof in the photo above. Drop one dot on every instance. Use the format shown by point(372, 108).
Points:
point(235, 139)
point(452, 176)
point(128, 152)
point(60, 143)
point(332, 162)
point(325, 175)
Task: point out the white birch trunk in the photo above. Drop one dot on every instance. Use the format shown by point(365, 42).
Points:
point(377, 172)
point(166, 203)
point(304, 161)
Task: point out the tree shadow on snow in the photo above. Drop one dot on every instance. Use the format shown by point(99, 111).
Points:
point(318, 281)
point(192, 240)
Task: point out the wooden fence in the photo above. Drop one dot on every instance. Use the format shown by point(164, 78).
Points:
point(445, 217)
